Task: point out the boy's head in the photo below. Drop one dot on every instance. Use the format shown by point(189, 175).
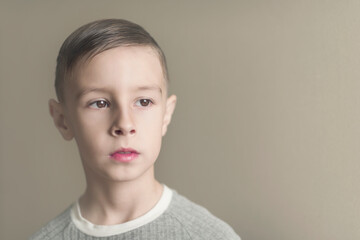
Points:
point(111, 82)
point(94, 38)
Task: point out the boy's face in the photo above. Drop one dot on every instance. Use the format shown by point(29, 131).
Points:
point(117, 100)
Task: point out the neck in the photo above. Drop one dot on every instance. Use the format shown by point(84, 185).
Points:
point(107, 202)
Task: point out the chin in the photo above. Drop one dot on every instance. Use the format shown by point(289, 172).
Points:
point(130, 174)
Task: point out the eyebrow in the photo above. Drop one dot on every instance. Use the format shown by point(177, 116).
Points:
point(137, 89)
point(147, 88)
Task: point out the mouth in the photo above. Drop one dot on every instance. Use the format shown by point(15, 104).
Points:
point(124, 155)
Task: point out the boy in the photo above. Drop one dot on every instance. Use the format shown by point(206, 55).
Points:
point(112, 85)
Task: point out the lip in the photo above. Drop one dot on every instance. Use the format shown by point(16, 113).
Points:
point(124, 157)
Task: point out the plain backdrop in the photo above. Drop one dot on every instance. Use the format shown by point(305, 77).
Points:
point(266, 130)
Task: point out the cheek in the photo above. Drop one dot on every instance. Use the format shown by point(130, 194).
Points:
point(150, 124)
point(92, 121)
point(149, 131)
point(90, 130)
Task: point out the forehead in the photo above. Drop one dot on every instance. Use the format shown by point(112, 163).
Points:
point(121, 67)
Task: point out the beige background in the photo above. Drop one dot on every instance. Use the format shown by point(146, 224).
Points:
point(266, 131)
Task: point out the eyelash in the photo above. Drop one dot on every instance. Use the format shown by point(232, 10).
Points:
point(97, 101)
point(151, 102)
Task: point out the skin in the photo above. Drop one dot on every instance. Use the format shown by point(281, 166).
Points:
point(129, 109)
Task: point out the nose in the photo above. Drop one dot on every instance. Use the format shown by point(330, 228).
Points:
point(123, 124)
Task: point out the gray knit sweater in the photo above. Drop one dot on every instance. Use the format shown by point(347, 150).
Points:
point(180, 219)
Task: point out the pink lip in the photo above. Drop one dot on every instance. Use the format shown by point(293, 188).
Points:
point(124, 157)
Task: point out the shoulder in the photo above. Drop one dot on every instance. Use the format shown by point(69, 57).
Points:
point(198, 221)
point(55, 228)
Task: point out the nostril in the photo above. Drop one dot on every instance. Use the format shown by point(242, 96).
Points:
point(121, 132)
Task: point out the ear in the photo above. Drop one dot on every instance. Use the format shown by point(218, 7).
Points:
point(170, 107)
point(57, 113)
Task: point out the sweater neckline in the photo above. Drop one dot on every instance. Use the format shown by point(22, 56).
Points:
point(108, 230)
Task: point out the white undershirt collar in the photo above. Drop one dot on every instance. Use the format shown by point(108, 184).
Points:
point(108, 230)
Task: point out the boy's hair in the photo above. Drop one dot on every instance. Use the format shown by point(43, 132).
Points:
point(96, 37)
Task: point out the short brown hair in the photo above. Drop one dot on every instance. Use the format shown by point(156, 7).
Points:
point(96, 37)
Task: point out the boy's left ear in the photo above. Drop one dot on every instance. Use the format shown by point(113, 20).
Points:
point(170, 107)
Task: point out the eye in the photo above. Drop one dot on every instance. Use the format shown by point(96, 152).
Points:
point(99, 104)
point(143, 102)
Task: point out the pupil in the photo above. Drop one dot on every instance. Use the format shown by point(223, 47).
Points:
point(144, 102)
point(101, 104)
